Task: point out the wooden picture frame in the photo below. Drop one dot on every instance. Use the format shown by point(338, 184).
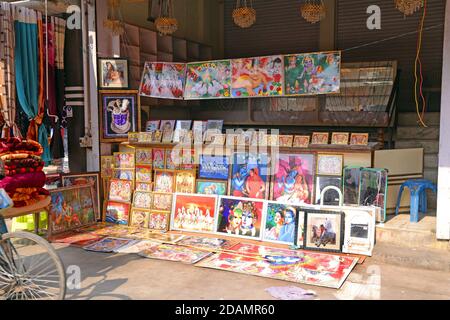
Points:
point(162, 201)
point(120, 190)
point(139, 217)
point(164, 181)
point(340, 138)
point(124, 160)
point(301, 141)
point(320, 138)
point(122, 214)
point(156, 223)
point(185, 181)
point(330, 164)
point(332, 238)
point(286, 141)
point(359, 139)
point(211, 187)
point(113, 73)
point(144, 156)
point(142, 200)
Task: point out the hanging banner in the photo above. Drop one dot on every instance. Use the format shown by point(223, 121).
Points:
point(257, 77)
point(312, 73)
point(208, 80)
point(163, 80)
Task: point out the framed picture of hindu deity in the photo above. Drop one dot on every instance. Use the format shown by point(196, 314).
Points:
point(240, 217)
point(113, 73)
point(340, 138)
point(106, 166)
point(280, 222)
point(120, 190)
point(120, 114)
point(173, 159)
point(144, 156)
point(293, 179)
point(320, 138)
point(159, 220)
point(193, 213)
point(142, 200)
point(164, 181)
point(144, 174)
point(162, 201)
point(330, 164)
point(142, 186)
point(286, 141)
point(124, 174)
point(139, 218)
point(250, 174)
point(211, 187)
point(167, 130)
point(158, 158)
point(185, 181)
point(124, 160)
point(359, 139)
point(301, 141)
point(133, 137)
point(324, 231)
point(214, 167)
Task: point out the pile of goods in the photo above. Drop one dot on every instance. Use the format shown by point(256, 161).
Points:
point(21, 171)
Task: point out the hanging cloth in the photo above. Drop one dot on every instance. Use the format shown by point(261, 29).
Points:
point(27, 74)
point(7, 72)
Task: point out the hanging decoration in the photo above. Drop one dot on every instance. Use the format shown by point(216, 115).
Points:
point(166, 24)
point(244, 15)
point(313, 11)
point(408, 7)
point(114, 21)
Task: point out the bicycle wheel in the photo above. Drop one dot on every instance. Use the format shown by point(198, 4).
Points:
point(30, 269)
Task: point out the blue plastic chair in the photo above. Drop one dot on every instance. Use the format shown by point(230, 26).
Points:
point(418, 190)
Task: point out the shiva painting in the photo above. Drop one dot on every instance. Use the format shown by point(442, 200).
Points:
point(250, 175)
point(257, 77)
point(293, 179)
point(240, 217)
point(208, 80)
point(163, 80)
point(280, 222)
point(312, 73)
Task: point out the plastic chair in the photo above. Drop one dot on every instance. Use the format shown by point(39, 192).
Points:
point(418, 190)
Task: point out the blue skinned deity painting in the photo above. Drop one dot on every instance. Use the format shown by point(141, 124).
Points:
point(214, 167)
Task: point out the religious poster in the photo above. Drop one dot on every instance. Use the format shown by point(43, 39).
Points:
point(163, 80)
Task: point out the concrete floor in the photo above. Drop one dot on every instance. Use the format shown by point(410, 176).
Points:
point(120, 276)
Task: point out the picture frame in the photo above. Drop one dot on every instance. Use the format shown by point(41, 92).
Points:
point(181, 129)
point(157, 136)
point(173, 159)
point(273, 140)
point(359, 235)
point(331, 197)
point(240, 217)
point(144, 174)
point(198, 130)
point(120, 114)
point(145, 137)
point(301, 141)
point(340, 138)
point(162, 201)
point(164, 181)
point(214, 167)
point(280, 222)
point(294, 178)
point(330, 164)
point(92, 178)
point(193, 213)
point(217, 139)
point(351, 179)
point(359, 139)
point(189, 159)
point(142, 200)
point(124, 160)
point(159, 220)
point(133, 137)
point(286, 141)
point(152, 125)
point(368, 196)
point(145, 187)
point(320, 138)
point(120, 190)
point(113, 73)
point(106, 166)
point(124, 174)
point(117, 212)
point(167, 129)
point(163, 80)
point(324, 231)
point(185, 181)
point(211, 187)
point(144, 156)
point(159, 159)
point(139, 218)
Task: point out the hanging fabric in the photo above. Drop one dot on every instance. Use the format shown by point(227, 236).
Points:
point(27, 74)
point(7, 72)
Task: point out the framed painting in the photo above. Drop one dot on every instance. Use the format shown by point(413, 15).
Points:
point(113, 73)
point(71, 208)
point(373, 189)
point(301, 141)
point(185, 181)
point(163, 80)
point(320, 138)
point(240, 217)
point(159, 158)
point(332, 196)
point(142, 186)
point(286, 141)
point(108, 245)
point(117, 212)
point(145, 137)
point(159, 220)
point(330, 164)
point(162, 201)
point(106, 166)
point(124, 174)
point(359, 235)
point(139, 218)
point(214, 167)
point(312, 73)
point(144, 174)
point(350, 190)
point(167, 130)
point(324, 231)
point(173, 159)
point(156, 136)
point(189, 159)
point(293, 179)
point(359, 139)
point(245, 137)
point(208, 80)
point(217, 139)
point(273, 140)
point(340, 138)
point(193, 213)
point(124, 160)
point(120, 114)
point(164, 181)
point(250, 174)
point(144, 156)
point(120, 190)
point(152, 125)
point(257, 77)
point(133, 137)
point(71, 180)
point(182, 127)
point(142, 200)
point(198, 130)
point(212, 187)
point(213, 127)
point(280, 222)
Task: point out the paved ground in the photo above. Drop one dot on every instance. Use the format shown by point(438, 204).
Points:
point(119, 276)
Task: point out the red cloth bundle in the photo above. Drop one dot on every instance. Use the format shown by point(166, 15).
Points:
point(26, 180)
point(16, 145)
point(23, 197)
